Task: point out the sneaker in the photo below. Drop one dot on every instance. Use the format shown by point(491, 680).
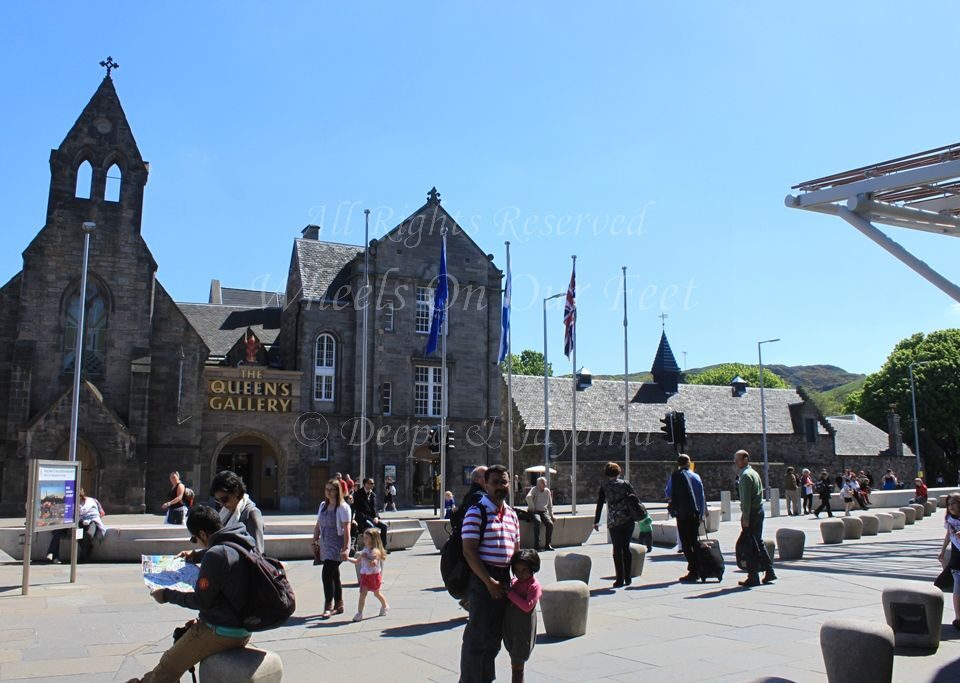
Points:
point(548, 547)
point(49, 557)
point(358, 616)
point(750, 582)
point(384, 611)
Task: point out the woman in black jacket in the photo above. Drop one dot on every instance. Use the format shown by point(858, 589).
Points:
point(620, 524)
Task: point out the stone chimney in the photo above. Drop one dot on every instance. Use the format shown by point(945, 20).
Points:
point(311, 232)
point(216, 295)
point(894, 435)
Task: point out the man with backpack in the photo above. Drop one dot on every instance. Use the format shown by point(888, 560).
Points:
point(491, 534)
point(686, 502)
point(223, 586)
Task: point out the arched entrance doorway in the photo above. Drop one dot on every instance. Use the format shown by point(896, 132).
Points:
point(426, 469)
point(89, 472)
point(255, 458)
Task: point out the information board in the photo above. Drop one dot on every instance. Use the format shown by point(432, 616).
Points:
point(55, 497)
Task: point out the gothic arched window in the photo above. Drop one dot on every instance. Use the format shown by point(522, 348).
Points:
point(95, 324)
point(84, 181)
point(325, 368)
point(114, 180)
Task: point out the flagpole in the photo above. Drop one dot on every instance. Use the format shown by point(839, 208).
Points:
point(509, 294)
point(443, 384)
point(363, 353)
point(573, 451)
point(626, 386)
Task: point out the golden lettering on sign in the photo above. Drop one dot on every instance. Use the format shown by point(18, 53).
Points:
point(250, 393)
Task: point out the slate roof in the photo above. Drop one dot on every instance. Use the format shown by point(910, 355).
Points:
point(708, 409)
point(323, 266)
point(250, 298)
point(856, 436)
point(220, 326)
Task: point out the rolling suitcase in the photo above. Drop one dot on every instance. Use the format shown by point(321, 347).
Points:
point(709, 559)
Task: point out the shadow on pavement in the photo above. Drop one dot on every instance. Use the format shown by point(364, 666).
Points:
point(651, 586)
point(717, 593)
point(594, 592)
point(422, 629)
point(948, 673)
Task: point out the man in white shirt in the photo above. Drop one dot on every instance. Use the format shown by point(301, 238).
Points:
point(88, 513)
point(540, 507)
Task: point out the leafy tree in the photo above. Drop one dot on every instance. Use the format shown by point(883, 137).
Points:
point(936, 371)
point(529, 362)
point(722, 375)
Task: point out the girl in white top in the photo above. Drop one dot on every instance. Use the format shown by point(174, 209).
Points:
point(847, 492)
point(371, 560)
point(952, 524)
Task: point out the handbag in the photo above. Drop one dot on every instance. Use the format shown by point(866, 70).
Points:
point(636, 509)
point(944, 581)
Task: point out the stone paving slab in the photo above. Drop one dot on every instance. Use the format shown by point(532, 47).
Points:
point(107, 628)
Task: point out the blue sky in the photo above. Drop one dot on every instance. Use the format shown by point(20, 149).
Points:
point(670, 135)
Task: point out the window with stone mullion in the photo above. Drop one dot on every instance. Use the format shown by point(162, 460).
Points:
point(324, 368)
point(424, 309)
point(428, 391)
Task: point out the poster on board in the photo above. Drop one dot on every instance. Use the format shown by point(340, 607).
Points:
point(56, 495)
point(390, 472)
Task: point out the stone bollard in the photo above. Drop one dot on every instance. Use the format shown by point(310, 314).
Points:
point(570, 566)
point(638, 554)
point(774, 502)
point(931, 506)
point(832, 530)
point(899, 519)
point(242, 665)
point(942, 501)
point(725, 506)
point(564, 606)
point(857, 651)
point(852, 528)
point(791, 542)
point(909, 515)
point(920, 509)
point(871, 525)
point(884, 522)
point(914, 614)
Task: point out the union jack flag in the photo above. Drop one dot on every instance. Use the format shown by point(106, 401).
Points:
point(570, 316)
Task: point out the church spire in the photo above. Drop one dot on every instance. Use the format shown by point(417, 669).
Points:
point(665, 370)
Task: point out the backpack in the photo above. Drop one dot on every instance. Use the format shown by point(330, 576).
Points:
point(270, 601)
point(454, 569)
point(188, 496)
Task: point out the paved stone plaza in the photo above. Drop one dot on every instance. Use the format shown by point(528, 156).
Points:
point(107, 628)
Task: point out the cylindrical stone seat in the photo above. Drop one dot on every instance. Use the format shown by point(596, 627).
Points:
point(242, 665)
point(931, 506)
point(564, 606)
point(791, 542)
point(914, 614)
point(832, 531)
point(921, 510)
point(639, 554)
point(871, 525)
point(909, 515)
point(852, 528)
point(570, 566)
point(884, 522)
point(857, 651)
point(942, 501)
point(899, 519)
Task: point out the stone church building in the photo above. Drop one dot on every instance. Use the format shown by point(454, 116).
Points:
point(266, 384)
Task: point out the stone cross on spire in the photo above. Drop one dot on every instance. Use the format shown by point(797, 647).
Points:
point(109, 65)
point(663, 321)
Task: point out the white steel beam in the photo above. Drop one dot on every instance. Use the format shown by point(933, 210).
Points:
point(920, 176)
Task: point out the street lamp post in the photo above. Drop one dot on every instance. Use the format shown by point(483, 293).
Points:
point(763, 419)
point(913, 403)
point(546, 392)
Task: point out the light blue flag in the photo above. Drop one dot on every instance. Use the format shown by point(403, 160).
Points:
point(505, 319)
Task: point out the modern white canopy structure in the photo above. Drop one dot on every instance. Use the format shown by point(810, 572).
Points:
point(920, 192)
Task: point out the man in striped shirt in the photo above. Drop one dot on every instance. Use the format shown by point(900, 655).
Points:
point(490, 538)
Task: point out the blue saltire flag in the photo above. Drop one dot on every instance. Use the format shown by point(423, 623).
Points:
point(505, 320)
point(439, 303)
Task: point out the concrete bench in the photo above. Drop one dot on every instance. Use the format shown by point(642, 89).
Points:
point(871, 525)
point(914, 615)
point(568, 531)
point(884, 522)
point(242, 665)
point(832, 531)
point(857, 651)
point(791, 542)
point(401, 539)
point(564, 607)
point(439, 530)
point(570, 566)
point(638, 554)
point(899, 519)
point(909, 515)
point(852, 528)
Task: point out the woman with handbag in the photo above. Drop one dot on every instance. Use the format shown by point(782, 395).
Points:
point(951, 523)
point(614, 492)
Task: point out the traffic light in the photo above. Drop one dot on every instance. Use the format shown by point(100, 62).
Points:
point(450, 435)
point(667, 427)
point(680, 429)
point(434, 440)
